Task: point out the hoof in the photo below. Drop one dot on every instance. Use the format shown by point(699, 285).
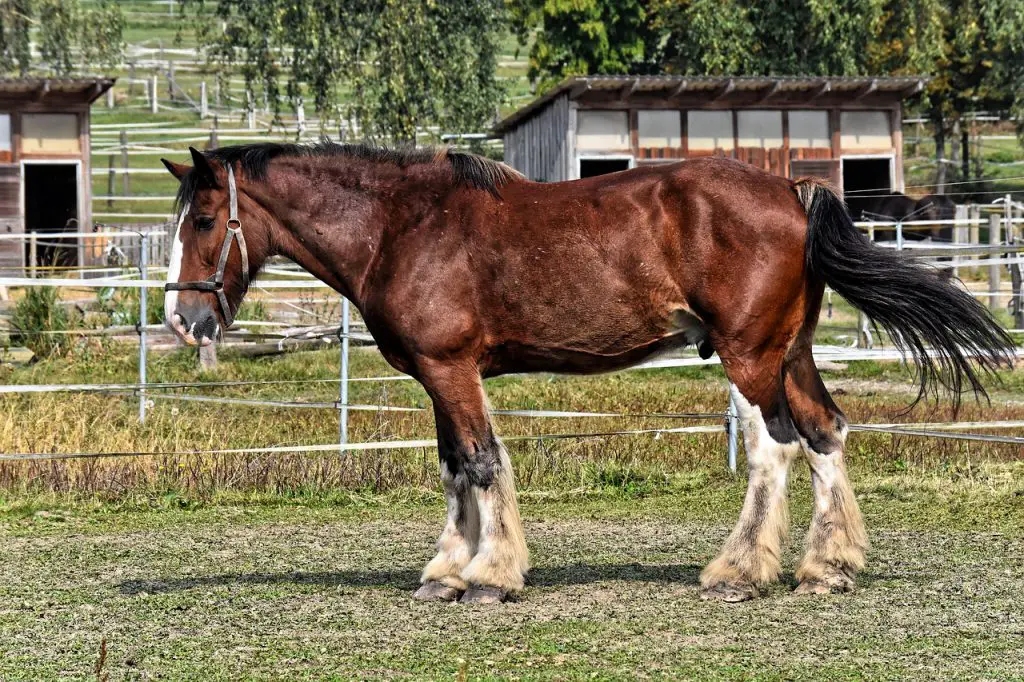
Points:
point(432, 590)
point(832, 584)
point(483, 594)
point(730, 592)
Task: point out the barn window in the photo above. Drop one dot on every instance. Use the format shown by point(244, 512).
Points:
point(602, 130)
point(809, 128)
point(759, 128)
point(709, 130)
point(5, 138)
point(659, 129)
point(50, 134)
point(865, 130)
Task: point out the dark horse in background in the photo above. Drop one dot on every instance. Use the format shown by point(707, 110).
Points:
point(895, 206)
point(462, 269)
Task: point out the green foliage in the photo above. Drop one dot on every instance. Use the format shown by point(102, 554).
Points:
point(40, 312)
point(123, 305)
point(252, 309)
point(706, 37)
point(580, 37)
point(70, 38)
point(15, 50)
point(409, 65)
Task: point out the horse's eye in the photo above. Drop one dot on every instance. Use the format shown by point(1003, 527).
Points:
point(204, 223)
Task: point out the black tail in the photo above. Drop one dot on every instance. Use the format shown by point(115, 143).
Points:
point(911, 301)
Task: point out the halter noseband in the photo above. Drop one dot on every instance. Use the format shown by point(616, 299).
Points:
point(215, 282)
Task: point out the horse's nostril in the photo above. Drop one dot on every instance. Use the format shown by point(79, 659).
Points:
point(206, 326)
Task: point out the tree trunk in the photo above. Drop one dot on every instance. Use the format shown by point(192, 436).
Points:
point(940, 154)
point(965, 156)
point(954, 149)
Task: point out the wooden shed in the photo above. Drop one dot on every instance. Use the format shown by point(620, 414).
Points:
point(847, 130)
point(45, 181)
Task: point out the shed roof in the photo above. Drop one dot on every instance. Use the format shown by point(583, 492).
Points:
point(761, 90)
point(56, 89)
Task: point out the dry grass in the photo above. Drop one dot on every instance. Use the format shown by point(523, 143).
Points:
point(99, 423)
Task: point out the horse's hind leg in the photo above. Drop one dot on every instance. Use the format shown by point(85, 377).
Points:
point(837, 540)
point(750, 557)
point(482, 550)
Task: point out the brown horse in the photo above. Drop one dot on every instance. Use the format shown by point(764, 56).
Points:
point(462, 269)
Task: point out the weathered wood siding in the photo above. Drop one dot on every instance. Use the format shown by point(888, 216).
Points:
point(12, 251)
point(541, 148)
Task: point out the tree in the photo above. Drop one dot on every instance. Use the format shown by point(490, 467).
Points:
point(776, 37)
point(391, 66)
point(71, 38)
point(706, 37)
point(581, 37)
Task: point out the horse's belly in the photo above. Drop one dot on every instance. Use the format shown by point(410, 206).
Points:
point(605, 348)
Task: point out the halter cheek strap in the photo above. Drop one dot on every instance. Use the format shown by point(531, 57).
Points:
point(215, 283)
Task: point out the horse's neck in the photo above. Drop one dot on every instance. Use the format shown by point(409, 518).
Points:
point(331, 227)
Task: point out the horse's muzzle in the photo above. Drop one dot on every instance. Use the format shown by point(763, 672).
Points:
point(195, 326)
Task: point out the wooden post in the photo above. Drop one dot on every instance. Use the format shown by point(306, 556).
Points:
point(124, 163)
point(301, 124)
point(250, 109)
point(216, 93)
point(111, 180)
point(204, 108)
point(33, 254)
point(208, 357)
point(170, 81)
point(131, 78)
point(154, 106)
point(110, 98)
point(995, 270)
point(214, 137)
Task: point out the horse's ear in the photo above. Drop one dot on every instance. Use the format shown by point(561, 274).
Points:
point(207, 176)
point(178, 170)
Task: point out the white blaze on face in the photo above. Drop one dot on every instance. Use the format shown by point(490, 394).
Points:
point(174, 270)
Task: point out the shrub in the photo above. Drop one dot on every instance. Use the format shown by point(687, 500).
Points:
point(37, 313)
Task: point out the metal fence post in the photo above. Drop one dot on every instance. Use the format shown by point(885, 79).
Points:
point(143, 319)
point(1016, 267)
point(732, 428)
point(343, 389)
point(994, 269)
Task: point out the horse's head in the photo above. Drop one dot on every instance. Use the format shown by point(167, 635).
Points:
point(211, 261)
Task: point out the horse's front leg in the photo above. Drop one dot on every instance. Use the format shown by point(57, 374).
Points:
point(482, 550)
point(442, 577)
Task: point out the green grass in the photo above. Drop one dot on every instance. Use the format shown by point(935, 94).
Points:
point(307, 590)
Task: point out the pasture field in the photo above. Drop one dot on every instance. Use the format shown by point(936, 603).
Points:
point(302, 566)
point(321, 589)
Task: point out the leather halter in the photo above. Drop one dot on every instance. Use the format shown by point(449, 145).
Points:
point(215, 282)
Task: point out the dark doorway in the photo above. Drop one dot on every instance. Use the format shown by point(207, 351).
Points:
point(591, 167)
point(51, 207)
point(864, 180)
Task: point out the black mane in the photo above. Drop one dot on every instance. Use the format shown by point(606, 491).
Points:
point(468, 170)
